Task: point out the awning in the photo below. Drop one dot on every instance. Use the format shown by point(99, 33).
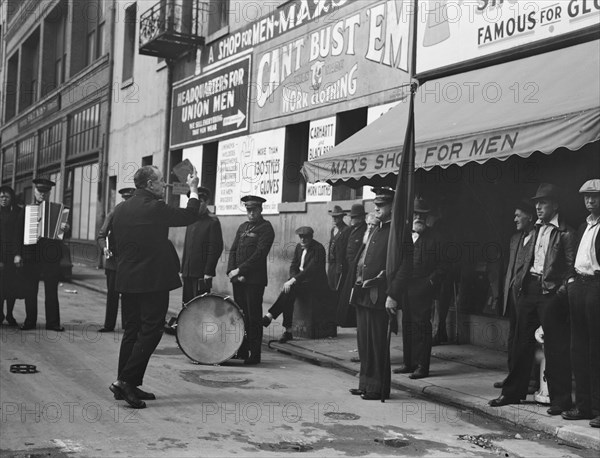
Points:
point(540, 103)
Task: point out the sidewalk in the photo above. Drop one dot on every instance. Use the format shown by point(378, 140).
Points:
point(461, 375)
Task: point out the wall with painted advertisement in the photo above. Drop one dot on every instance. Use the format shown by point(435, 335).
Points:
point(358, 58)
point(252, 164)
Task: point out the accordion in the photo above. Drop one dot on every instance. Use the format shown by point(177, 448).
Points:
point(44, 221)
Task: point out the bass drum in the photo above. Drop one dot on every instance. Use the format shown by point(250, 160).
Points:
point(210, 329)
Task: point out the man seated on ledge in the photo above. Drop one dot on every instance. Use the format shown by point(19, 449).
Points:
point(307, 274)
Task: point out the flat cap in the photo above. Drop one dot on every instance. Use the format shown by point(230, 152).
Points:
point(590, 186)
point(253, 201)
point(126, 192)
point(383, 195)
point(546, 191)
point(337, 211)
point(305, 230)
point(43, 184)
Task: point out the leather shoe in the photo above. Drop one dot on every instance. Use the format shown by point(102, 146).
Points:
point(404, 369)
point(503, 401)
point(371, 396)
point(55, 328)
point(252, 361)
point(355, 359)
point(595, 422)
point(127, 393)
point(576, 414)
point(356, 391)
point(141, 394)
point(555, 410)
point(499, 384)
point(11, 321)
point(419, 373)
point(27, 327)
point(106, 330)
point(285, 337)
point(266, 321)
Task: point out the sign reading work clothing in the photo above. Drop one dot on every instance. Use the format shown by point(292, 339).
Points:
point(212, 105)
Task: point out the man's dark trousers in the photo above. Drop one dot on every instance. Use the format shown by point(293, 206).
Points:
point(416, 324)
point(192, 289)
point(250, 298)
point(112, 300)
point(143, 316)
point(49, 272)
point(551, 311)
point(285, 304)
point(584, 293)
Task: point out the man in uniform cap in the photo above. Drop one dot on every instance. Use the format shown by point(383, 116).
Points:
point(106, 243)
point(247, 270)
point(42, 260)
point(428, 270)
point(543, 300)
point(369, 298)
point(584, 297)
point(336, 251)
point(202, 249)
point(307, 276)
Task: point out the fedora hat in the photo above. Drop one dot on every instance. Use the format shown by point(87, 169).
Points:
point(357, 210)
point(421, 206)
point(337, 211)
point(546, 191)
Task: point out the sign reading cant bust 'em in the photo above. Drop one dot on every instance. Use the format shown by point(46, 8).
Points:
point(251, 164)
point(451, 32)
point(359, 52)
point(212, 105)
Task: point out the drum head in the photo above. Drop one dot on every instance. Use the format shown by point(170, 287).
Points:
point(210, 329)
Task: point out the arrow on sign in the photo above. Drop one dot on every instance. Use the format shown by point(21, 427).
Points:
point(234, 119)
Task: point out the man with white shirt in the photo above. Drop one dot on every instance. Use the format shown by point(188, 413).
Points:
point(307, 272)
point(584, 297)
point(542, 300)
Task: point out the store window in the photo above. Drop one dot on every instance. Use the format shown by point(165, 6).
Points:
point(296, 152)
point(83, 188)
point(84, 131)
point(348, 123)
point(129, 42)
point(50, 143)
point(25, 156)
point(8, 164)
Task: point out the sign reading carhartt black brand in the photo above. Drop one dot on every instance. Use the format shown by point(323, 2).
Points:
point(50, 106)
point(281, 20)
point(212, 105)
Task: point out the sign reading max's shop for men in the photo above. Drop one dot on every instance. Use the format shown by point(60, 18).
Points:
point(452, 32)
point(212, 105)
point(359, 53)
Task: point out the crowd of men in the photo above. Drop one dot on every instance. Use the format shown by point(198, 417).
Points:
point(552, 280)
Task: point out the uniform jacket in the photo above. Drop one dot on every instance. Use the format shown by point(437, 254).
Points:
point(250, 249)
point(559, 264)
point(314, 265)
point(202, 247)
point(580, 232)
point(517, 266)
point(104, 233)
point(374, 264)
point(146, 258)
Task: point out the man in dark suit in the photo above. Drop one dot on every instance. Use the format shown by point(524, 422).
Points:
point(336, 252)
point(428, 270)
point(584, 297)
point(307, 275)
point(42, 261)
point(106, 241)
point(247, 270)
point(542, 300)
point(520, 244)
point(369, 298)
point(147, 269)
point(202, 249)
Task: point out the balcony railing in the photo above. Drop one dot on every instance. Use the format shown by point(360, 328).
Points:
point(172, 27)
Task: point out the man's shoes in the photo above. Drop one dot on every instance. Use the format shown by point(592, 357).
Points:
point(355, 359)
point(252, 361)
point(356, 391)
point(55, 328)
point(106, 330)
point(141, 394)
point(500, 384)
point(27, 327)
point(576, 414)
point(404, 369)
point(419, 373)
point(11, 321)
point(503, 401)
point(371, 396)
point(285, 337)
point(555, 410)
point(168, 327)
point(127, 392)
point(266, 321)
point(595, 422)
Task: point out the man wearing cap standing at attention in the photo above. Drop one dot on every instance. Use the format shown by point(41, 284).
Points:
point(584, 297)
point(247, 271)
point(202, 249)
point(307, 275)
point(42, 260)
point(106, 243)
point(543, 300)
point(336, 253)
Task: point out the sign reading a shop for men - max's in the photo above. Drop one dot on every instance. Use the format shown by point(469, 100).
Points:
point(211, 106)
point(358, 57)
point(452, 33)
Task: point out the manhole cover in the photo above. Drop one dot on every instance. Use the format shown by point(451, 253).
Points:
point(396, 443)
point(285, 447)
point(220, 378)
point(342, 416)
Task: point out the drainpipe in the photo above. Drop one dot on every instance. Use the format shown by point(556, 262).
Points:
point(167, 138)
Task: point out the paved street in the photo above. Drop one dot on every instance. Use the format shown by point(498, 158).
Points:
point(282, 406)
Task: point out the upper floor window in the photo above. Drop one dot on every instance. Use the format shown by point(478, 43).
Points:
point(129, 42)
point(218, 15)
